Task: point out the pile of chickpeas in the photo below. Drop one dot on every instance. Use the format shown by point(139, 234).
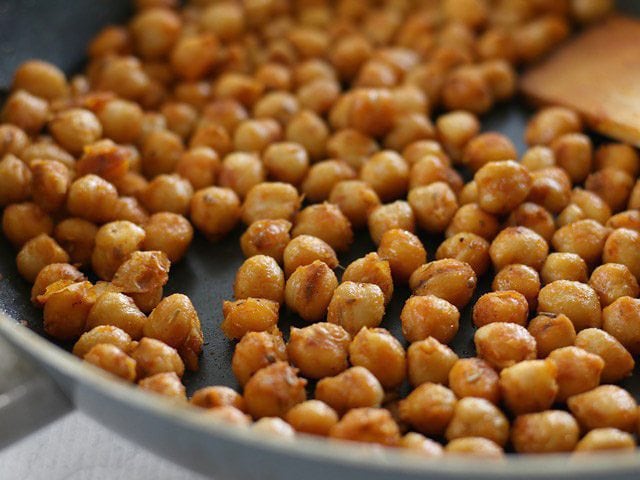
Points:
point(309, 122)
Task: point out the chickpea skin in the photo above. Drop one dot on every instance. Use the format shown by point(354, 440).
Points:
point(504, 306)
point(618, 362)
point(404, 252)
point(550, 431)
point(477, 417)
point(576, 300)
point(368, 425)
point(310, 290)
point(607, 406)
point(449, 279)
point(529, 386)
point(53, 273)
point(356, 387)
point(379, 352)
point(502, 186)
point(255, 351)
point(319, 350)
point(371, 269)
point(429, 408)
point(552, 331)
point(313, 417)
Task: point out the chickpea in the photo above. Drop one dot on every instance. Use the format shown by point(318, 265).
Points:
point(376, 74)
point(504, 344)
point(122, 75)
point(529, 386)
point(519, 278)
point(576, 300)
point(104, 334)
point(404, 252)
point(429, 316)
point(429, 408)
point(274, 426)
point(537, 158)
point(379, 352)
point(620, 319)
point(421, 445)
point(41, 79)
point(167, 384)
point(508, 306)
point(266, 237)
point(286, 162)
point(309, 290)
point(193, 57)
point(430, 169)
point(606, 439)
point(473, 13)
point(578, 371)
point(226, 112)
point(323, 176)
point(398, 214)
point(259, 276)
point(274, 390)
point(356, 305)
point(118, 310)
point(36, 254)
point(368, 425)
point(474, 446)
point(477, 417)
point(551, 123)
point(474, 377)
point(77, 237)
point(371, 269)
point(153, 356)
point(309, 130)
point(585, 238)
point(628, 219)
point(416, 151)
point(622, 246)
point(92, 198)
point(434, 206)
point(563, 266)
point(114, 242)
point(248, 315)
point(470, 218)
point(319, 350)
point(449, 279)
point(215, 211)
point(13, 140)
point(26, 111)
point(612, 281)
point(465, 88)
point(326, 222)
point(552, 332)
point(255, 351)
point(168, 232)
point(355, 199)
point(113, 360)
point(22, 222)
point(270, 201)
point(200, 166)
point(571, 213)
point(518, 245)
point(217, 396)
point(408, 129)
point(278, 105)
point(488, 147)
point(612, 185)
point(592, 205)
point(225, 20)
point(313, 417)
point(274, 76)
point(75, 128)
point(501, 77)
point(618, 155)
point(349, 54)
point(455, 130)
point(15, 180)
point(535, 218)
point(356, 387)
point(550, 431)
point(618, 362)
point(131, 184)
point(550, 188)
point(241, 172)
point(429, 360)
point(155, 31)
point(256, 135)
point(387, 173)
point(606, 406)
point(502, 186)
point(53, 273)
point(121, 120)
point(371, 111)
point(66, 307)
point(574, 154)
point(303, 250)
point(351, 146)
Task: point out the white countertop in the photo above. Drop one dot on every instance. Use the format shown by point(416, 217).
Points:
point(77, 448)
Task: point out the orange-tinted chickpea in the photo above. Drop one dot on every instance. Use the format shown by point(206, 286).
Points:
point(355, 199)
point(310, 289)
point(241, 172)
point(248, 315)
point(419, 444)
point(506, 306)
point(36, 254)
point(563, 266)
point(153, 356)
point(200, 166)
point(53, 273)
point(404, 252)
point(351, 146)
point(114, 242)
point(303, 250)
point(260, 276)
point(15, 180)
point(309, 130)
point(327, 222)
point(550, 431)
point(474, 377)
point(455, 129)
point(578, 371)
point(387, 173)
point(607, 406)
point(488, 147)
point(26, 111)
point(612, 281)
point(550, 123)
point(168, 232)
point(22, 222)
point(66, 307)
point(470, 218)
point(434, 206)
point(585, 238)
point(167, 384)
point(313, 417)
point(576, 300)
point(255, 351)
point(429, 360)
point(379, 352)
point(518, 245)
point(75, 128)
point(274, 390)
point(217, 396)
point(520, 278)
point(266, 237)
point(573, 153)
point(538, 158)
point(102, 334)
point(368, 425)
point(612, 185)
point(618, 362)
point(592, 205)
point(77, 237)
point(606, 439)
point(286, 162)
point(430, 169)
point(449, 279)
point(398, 214)
point(477, 417)
point(356, 387)
point(502, 186)
point(623, 246)
point(270, 200)
point(92, 198)
point(535, 218)
point(215, 211)
point(628, 219)
point(479, 447)
point(322, 177)
point(504, 344)
point(466, 88)
point(529, 386)
point(319, 350)
point(429, 408)
point(113, 360)
point(119, 310)
point(371, 269)
point(155, 31)
point(552, 331)
point(466, 247)
point(356, 305)
point(121, 120)
point(621, 319)
point(429, 316)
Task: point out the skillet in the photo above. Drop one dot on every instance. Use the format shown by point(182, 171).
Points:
point(39, 381)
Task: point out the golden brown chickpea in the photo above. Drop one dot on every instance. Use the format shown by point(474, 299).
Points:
point(217, 396)
point(122, 75)
point(466, 88)
point(571, 213)
point(200, 166)
point(114, 242)
point(618, 362)
point(41, 79)
point(36, 254)
point(319, 350)
point(355, 199)
point(226, 112)
point(550, 188)
point(628, 219)
point(587, 11)
point(529, 386)
point(131, 184)
point(153, 356)
point(506, 306)
point(466, 247)
point(404, 252)
point(351, 146)
point(371, 111)
point(429, 316)
point(309, 130)
point(260, 276)
point(92, 198)
point(121, 120)
point(319, 95)
point(502, 186)
point(77, 237)
point(323, 176)
point(573, 153)
point(108, 160)
point(504, 344)
point(429, 360)
point(215, 211)
point(118, 310)
point(349, 53)
point(303, 250)
point(429, 408)
point(356, 387)
point(257, 350)
point(518, 245)
point(612, 281)
point(473, 377)
point(578, 371)
point(75, 128)
point(407, 129)
point(309, 290)
point(371, 269)
point(368, 425)
point(274, 426)
point(170, 233)
point(15, 180)
point(26, 111)
point(103, 334)
point(274, 390)
point(576, 300)
point(398, 214)
point(434, 206)
point(130, 209)
point(537, 158)
point(356, 305)
point(238, 86)
point(270, 200)
point(248, 315)
point(66, 306)
point(618, 155)
point(470, 218)
point(622, 246)
point(592, 205)
point(550, 123)
point(266, 237)
point(274, 76)
point(550, 431)
point(488, 147)
point(501, 77)
point(421, 445)
point(535, 218)
point(24, 221)
point(551, 332)
point(563, 266)
point(53, 273)
point(620, 319)
point(256, 135)
point(327, 222)
point(286, 162)
point(473, 13)
point(449, 279)
point(167, 384)
point(278, 105)
point(522, 279)
point(387, 173)
point(477, 417)
point(612, 185)
point(161, 152)
point(13, 140)
point(313, 417)
point(113, 360)
point(225, 20)
point(455, 130)
point(380, 353)
point(416, 151)
point(376, 74)
point(475, 447)
point(193, 56)
point(607, 406)
point(155, 31)
point(606, 439)
point(431, 168)
point(585, 238)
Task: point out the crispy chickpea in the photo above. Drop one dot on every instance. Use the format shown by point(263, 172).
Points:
point(215, 211)
point(612, 185)
point(274, 76)
point(419, 149)
point(573, 153)
point(36, 254)
point(501, 77)
point(155, 31)
point(121, 120)
point(217, 396)
point(53, 273)
point(449, 279)
point(466, 247)
point(430, 169)
point(309, 130)
point(551, 332)
point(108, 160)
point(113, 360)
point(326, 222)
point(13, 140)
point(421, 445)
point(355, 199)
point(570, 214)
point(477, 417)
point(313, 417)
point(274, 390)
point(368, 425)
point(537, 158)
point(167, 384)
point(407, 129)
point(286, 162)
point(168, 232)
point(371, 111)
point(592, 205)
point(356, 305)
point(131, 184)
point(66, 306)
point(255, 351)
point(585, 238)
point(356, 387)
point(623, 246)
point(550, 188)
point(266, 237)
point(102, 334)
point(92, 198)
point(550, 431)
point(75, 128)
point(576, 300)
point(387, 173)
point(248, 315)
point(200, 166)
point(502, 186)
point(380, 353)
point(535, 218)
point(606, 439)
point(383, 218)
point(241, 172)
point(504, 344)
point(319, 350)
point(475, 447)
point(15, 180)
point(118, 310)
point(26, 111)
point(122, 75)
point(466, 88)
point(455, 129)
point(529, 386)
point(618, 362)
point(194, 56)
point(404, 252)
point(114, 242)
point(270, 200)
point(351, 146)
point(470, 218)
point(41, 79)
point(303, 250)
point(277, 105)
point(505, 306)
point(607, 406)
point(371, 269)
point(22, 222)
point(622, 320)
point(274, 426)
point(518, 245)
point(628, 219)
point(256, 135)
point(563, 266)
point(550, 123)
point(309, 290)
point(474, 377)
point(520, 278)
point(578, 371)
point(260, 276)
point(429, 408)
point(618, 155)
point(153, 356)
point(434, 206)
point(426, 316)
point(77, 237)
point(612, 281)
point(488, 147)
point(429, 360)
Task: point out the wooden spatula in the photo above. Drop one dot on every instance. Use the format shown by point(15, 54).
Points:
point(598, 75)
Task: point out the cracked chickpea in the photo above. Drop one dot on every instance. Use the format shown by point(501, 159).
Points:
point(327, 222)
point(319, 350)
point(379, 352)
point(449, 279)
point(355, 199)
point(618, 362)
point(356, 387)
point(551, 331)
point(142, 277)
point(607, 406)
point(66, 307)
point(53, 273)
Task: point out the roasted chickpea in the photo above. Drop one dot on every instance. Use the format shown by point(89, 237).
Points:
point(309, 290)
point(550, 123)
point(153, 356)
point(506, 306)
point(371, 111)
point(241, 172)
point(455, 130)
point(592, 205)
point(477, 417)
point(351, 146)
point(538, 158)
point(576, 300)
point(356, 305)
point(502, 186)
point(429, 408)
point(75, 128)
point(215, 211)
point(578, 371)
point(628, 219)
point(552, 332)
point(22, 222)
point(404, 252)
point(473, 377)
point(155, 31)
point(620, 319)
point(612, 281)
point(429, 360)
point(313, 417)
point(356, 387)
point(121, 120)
point(114, 242)
point(368, 425)
point(371, 269)
point(434, 206)
point(398, 214)
point(41, 79)
point(286, 162)
point(550, 431)
point(15, 180)
point(248, 315)
point(113, 360)
point(327, 222)
point(380, 353)
point(618, 155)
point(612, 185)
point(200, 166)
point(309, 130)
point(466, 88)
point(277, 105)
point(475, 447)
point(421, 445)
point(36, 254)
point(618, 362)
point(53, 273)
point(429, 316)
point(274, 390)
point(13, 140)
point(607, 406)
point(504, 344)
point(449, 279)
point(217, 396)
point(102, 335)
point(355, 199)
point(255, 351)
point(573, 153)
point(488, 147)
point(77, 237)
point(66, 307)
point(430, 169)
point(167, 384)
point(274, 426)
point(92, 198)
point(571, 213)
point(168, 232)
point(518, 245)
point(585, 238)
point(470, 218)
point(266, 237)
point(270, 201)
point(25, 111)
point(529, 386)
point(606, 439)
point(303, 250)
point(622, 246)
point(319, 350)
point(535, 218)
point(387, 173)
point(118, 310)
point(563, 266)
point(256, 135)
point(260, 276)
point(519, 278)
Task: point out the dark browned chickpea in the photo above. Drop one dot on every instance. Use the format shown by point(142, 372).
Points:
point(398, 214)
point(404, 252)
point(153, 356)
point(371, 269)
point(612, 281)
point(66, 306)
point(313, 417)
point(379, 352)
point(628, 219)
point(618, 155)
point(326, 222)
point(387, 173)
point(592, 205)
point(477, 417)
point(309, 290)
point(573, 153)
point(585, 238)
point(36, 254)
point(356, 387)
point(434, 206)
point(612, 185)
point(319, 350)
point(529, 386)
point(502, 186)
point(15, 180)
point(552, 331)
point(507, 306)
point(23, 221)
point(53, 273)
point(26, 111)
point(429, 408)
point(606, 439)
point(449, 279)
point(167, 384)
point(248, 315)
point(286, 162)
point(504, 344)
point(563, 266)
point(620, 319)
point(618, 362)
point(92, 198)
point(102, 334)
point(578, 371)
point(607, 406)
point(215, 211)
point(518, 245)
point(623, 246)
point(255, 351)
point(155, 31)
point(550, 431)
point(488, 147)
point(470, 218)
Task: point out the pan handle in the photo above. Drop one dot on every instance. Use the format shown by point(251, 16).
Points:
point(29, 399)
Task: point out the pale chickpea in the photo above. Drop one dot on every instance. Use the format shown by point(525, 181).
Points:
point(323, 176)
point(628, 219)
point(465, 88)
point(550, 123)
point(470, 218)
point(379, 352)
point(383, 218)
point(15, 180)
point(66, 307)
point(504, 344)
point(36, 254)
point(113, 360)
point(102, 334)
point(502, 186)
point(537, 158)
point(477, 417)
point(419, 444)
point(312, 417)
point(319, 350)
point(356, 387)
point(155, 31)
point(217, 396)
point(550, 431)
point(477, 447)
point(520, 278)
point(574, 154)
point(606, 439)
point(241, 172)
point(26, 111)
point(118, 310)
point(167, 384)
point(168, 232)
point(404, 252)
point(449, 279)
point(529, 386)
point(309, 130)
point(142, 278)
point(552, 331)
point(620, 319)
point(430, 169)
point(309, 290)
point(585, 238)
point(474, 377)
point(200, 166)
point(326, 222)
point(351, 146)
point(488, 147)
point(612, 185)
point(578, 371)
point(248, 315)
point(429, 408)
point(429, 316)
point(153, 356)
point(114, 242)
point(22, 222)
point(618, 362)
point(592, 205)
point(455, 130)
point(434, 206)
point(618, 155)
point(355, 199)
point(92, 198)
point(371, 269)
point(612, 281)
point(304, 250)
point(607, 406)
point(260, 276)
point(623, 246)
point(387, 173)
point(53, 273)
point(255, 351)
point(576, 300)
point(215, 211)
point(286, 162)
point(518, 245)
point(429, 360)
